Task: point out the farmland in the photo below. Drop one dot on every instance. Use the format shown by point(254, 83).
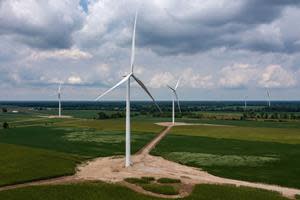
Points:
point(103, 191)
point(268, 155)
point(36, 147)
point(39, 148)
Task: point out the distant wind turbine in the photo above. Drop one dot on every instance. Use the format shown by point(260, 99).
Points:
point(175, 96)
point(127, 79)
point(59, 100)
point(269, 97)
point(245, 99)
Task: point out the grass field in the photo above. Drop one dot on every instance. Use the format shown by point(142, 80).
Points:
point(102, 191)
point(257, 161)
point(247, 123)
point(161, 189)
point(280, 135)
point(82, 141)
point(38, 148)
point(63, 140)
point(137, 125)
point(161, 186)
point(22, 164)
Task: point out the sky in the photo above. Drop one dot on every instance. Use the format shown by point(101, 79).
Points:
point(221, 49)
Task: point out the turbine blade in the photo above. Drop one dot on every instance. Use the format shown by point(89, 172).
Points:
point(177, 84)
point(268, 92)
point(146, 90)
point(170, 88)
point(118, 84)
point(133, 43)
point(177, 100)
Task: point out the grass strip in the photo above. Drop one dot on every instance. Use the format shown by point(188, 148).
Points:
point(168, 180)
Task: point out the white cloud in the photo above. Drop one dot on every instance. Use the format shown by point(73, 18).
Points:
point(275, 76)
point(45, 42)
point(192, 79)
point(188, 79)
point(161, 79)
point(74, 80)
point(237, 75)
point(73, 53)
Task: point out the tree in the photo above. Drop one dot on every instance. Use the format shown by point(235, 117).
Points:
point(5, 125)
point(4, 110)
point(102, 115)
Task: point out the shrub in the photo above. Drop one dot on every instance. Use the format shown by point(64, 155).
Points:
point(5, 125)
point(147, 178)
point(137, 181)
point(168, 180)
point(161, 189)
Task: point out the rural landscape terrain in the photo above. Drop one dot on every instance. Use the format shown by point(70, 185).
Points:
point(149, 100)
point(215, 150)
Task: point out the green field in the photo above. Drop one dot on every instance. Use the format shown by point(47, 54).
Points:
point(82, 141)
point(102, 191)
point(280, 135)
point(38, 148)
point(252, 154)
point(137, 125)
point(63, 143)
point(247, 123)
point(22, 164)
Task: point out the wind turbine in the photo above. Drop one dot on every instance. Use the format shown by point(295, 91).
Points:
point(59, 100)
point(175, 96)
point(269, 97)
point(245, 99)
point(127, 79)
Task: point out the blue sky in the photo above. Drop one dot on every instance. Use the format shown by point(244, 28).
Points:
point(84, 5)
point(222, 49)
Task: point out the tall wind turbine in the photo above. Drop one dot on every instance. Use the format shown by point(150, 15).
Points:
point(59, 100)
point(269, 97)
point(245, 99)
point(127, 79)
point(175, 96)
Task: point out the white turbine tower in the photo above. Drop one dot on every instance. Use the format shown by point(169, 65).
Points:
point(59, 100)
point(127, 78)
point(175, 96)
point(245, 99)
point(269, 97)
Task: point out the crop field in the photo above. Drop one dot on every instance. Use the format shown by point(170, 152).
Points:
point(247, 123)
point(21, 164)
point(80, 141)
point(39, 148)
point(137, 124)
point(36, 147)
point(269, 155)
point(280, 135)
point(103, 191)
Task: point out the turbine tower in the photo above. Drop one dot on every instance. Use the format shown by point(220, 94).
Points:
point(127, 79)
point(245, 99)
point(59, 100)
point(269, 97)
point(175, 96)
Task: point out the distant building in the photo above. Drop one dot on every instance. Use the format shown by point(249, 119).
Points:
point(15, 111)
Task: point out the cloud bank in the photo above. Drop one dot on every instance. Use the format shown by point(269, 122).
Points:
point(213, 45)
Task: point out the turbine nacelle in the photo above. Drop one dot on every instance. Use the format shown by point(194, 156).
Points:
point(175, 93)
